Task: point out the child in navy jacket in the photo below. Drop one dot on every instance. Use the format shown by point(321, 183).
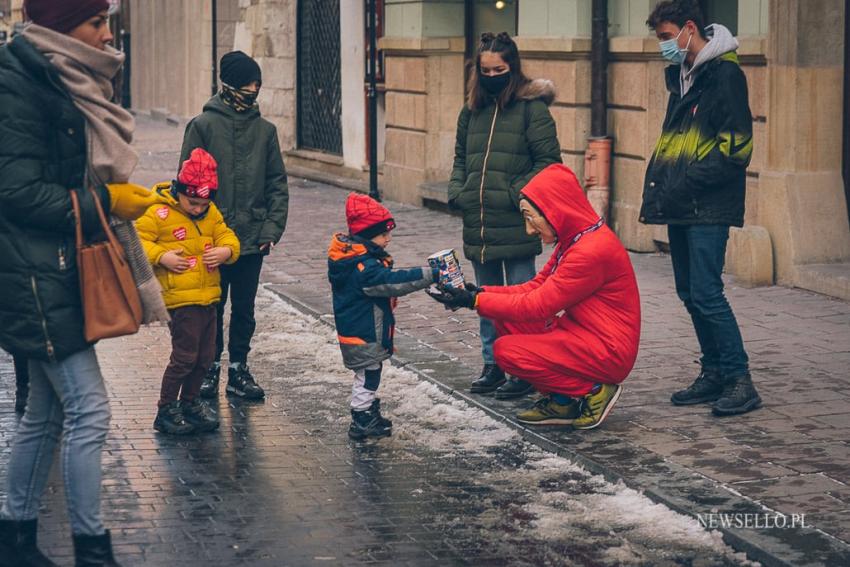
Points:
point(364, 287)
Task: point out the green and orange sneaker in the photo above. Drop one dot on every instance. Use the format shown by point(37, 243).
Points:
point(596, 407)
point(546, 411)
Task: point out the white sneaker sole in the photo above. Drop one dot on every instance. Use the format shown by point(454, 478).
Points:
point(608, 409)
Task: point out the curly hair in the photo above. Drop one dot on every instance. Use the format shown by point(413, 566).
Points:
point(677, 12)
point(504, 46)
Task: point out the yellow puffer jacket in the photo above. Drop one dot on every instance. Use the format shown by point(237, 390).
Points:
point(166, 227)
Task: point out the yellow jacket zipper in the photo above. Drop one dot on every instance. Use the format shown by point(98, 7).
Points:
point(483, 173)
point(50, 351)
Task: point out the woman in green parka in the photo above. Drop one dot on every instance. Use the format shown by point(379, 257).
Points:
point(505, 136)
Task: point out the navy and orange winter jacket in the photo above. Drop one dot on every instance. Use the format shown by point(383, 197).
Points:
point(364, 286)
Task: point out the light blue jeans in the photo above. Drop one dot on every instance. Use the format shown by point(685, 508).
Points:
point(66, 399)
point(499, 272)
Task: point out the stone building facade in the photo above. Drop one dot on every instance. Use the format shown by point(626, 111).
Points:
point(797, 222)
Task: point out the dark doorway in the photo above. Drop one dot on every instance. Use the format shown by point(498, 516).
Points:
point(319, 90)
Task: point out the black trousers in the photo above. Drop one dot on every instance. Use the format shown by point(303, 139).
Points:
point(22, 373)
point(240, 281)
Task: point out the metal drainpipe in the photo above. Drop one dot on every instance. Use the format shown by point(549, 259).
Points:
point(846, 156)
point(373, 101)
point(214, 47)
point(597, 157)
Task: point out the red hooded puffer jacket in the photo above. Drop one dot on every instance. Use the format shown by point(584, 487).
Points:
point(587, 288)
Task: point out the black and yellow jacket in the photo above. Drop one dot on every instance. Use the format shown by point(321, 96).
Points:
point(697, 173)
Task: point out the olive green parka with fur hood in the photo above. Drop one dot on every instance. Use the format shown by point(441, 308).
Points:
point(497, 152)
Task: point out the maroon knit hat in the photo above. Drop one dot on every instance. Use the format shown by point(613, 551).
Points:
point(63, 15)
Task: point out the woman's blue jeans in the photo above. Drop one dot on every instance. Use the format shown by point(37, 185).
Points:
point(66, 399)
point(499, 272)
point(699, 252)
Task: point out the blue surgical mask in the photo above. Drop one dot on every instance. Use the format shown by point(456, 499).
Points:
point(670, 49)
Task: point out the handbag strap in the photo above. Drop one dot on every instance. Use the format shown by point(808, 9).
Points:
point(75, 203)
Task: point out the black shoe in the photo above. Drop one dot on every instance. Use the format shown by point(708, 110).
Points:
point(491, 378)
point(209, 387)
point(513, 388)
point(241, 383)
point(739, 396)
point(375, 408)
point(367, 424)
point(169, 419)
point(18, 545)
point(94, 551)
point(199, 415)
point(706, 388)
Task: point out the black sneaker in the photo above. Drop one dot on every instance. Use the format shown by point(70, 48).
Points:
point(241, 383)
point(738, 397)
point(209, 387)
point(491, 378)
point(199, 415)
point(706, 388)
point(169, 419)
point(513, 388)
point(375, 408)
point(367, 424)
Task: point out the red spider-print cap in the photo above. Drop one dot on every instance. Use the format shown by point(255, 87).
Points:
point(198, 177)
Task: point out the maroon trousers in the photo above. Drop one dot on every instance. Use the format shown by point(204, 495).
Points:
point(192, 352)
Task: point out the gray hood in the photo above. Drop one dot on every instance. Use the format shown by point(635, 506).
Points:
point(720, 41)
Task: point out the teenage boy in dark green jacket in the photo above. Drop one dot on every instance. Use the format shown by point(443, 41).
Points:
point(695, 184)
point(253, 197)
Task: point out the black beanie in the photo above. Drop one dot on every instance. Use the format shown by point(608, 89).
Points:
point(237, 70)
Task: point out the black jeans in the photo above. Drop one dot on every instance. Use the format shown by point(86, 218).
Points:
point(698, 253)
point(240, 280)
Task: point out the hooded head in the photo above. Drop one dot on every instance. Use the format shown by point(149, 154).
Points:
point(557, 195)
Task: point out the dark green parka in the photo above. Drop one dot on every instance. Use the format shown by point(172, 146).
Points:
point(252, 191)
point(42, 157)
point(497, 152)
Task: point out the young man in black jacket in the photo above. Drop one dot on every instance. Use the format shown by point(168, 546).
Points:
point(695, 184)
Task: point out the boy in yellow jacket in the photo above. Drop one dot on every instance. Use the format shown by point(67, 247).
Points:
point(186, 240)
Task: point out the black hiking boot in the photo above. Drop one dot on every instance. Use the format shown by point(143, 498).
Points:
point(209, 387)
point(199, 415)
point(375, 408)
point(491, 378)
point(367, 424)
point(706, 388)
point(18, 545)
point(739, 396)
point(240, 382)
point(169, 419)
point(513, 388)
point(94, 551)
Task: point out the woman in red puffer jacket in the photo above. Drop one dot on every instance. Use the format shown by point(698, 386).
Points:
point(573, 330)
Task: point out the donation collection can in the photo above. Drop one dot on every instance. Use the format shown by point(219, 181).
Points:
point(446, 261)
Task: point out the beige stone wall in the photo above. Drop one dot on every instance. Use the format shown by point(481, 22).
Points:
point(267, 32)
point(172, 52)
point(424, 94)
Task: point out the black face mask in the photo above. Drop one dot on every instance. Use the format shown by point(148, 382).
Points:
point(494, 84)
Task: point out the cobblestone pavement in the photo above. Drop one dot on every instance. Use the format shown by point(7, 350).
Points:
point(280, 484)
point(792, 456)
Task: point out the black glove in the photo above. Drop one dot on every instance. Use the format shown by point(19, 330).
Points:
point(454, 298)
point(472, 287)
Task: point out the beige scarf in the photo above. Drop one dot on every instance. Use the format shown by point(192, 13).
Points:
point(87, 73)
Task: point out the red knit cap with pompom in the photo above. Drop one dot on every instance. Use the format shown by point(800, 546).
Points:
point(366, 217)
point(198, 177)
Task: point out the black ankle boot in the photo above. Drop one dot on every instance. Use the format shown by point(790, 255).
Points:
point(375, 408)
point(94, 551)
point(209, 387)
point(739, 396)
point(18, 545)
point(367, 424)
point(491, 378)
point(706, 388)
point(513, 388)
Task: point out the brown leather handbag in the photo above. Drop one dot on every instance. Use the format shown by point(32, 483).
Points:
point(111, 304)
